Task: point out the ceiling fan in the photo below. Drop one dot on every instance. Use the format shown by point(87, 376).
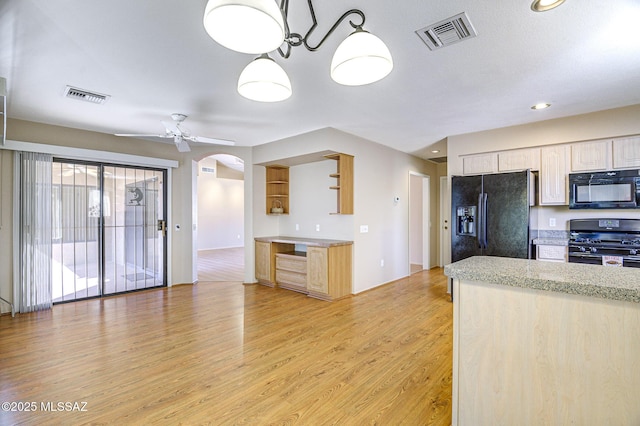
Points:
point(179, 135)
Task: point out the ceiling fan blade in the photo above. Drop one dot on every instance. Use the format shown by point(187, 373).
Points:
point(181, 144)
point(138, 135)
point(172, 128)
point(211, 140)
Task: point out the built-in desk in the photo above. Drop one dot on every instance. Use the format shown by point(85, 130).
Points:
point(320, 268)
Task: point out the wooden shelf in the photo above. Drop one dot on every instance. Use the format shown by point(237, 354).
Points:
point(344, 184)
point(277, 189)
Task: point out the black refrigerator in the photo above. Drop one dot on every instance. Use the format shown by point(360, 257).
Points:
point(490, 215)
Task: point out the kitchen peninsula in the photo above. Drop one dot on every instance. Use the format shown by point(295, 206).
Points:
point(320, 268)
point(545, 343)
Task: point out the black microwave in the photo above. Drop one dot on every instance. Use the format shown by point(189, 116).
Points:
point(618, 189)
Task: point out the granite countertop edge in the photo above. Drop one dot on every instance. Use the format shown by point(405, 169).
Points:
point(614, 283)
point(310, 242)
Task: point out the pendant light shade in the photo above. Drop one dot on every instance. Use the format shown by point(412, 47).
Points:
point(361, 58)
point(247, 26)
point(263, 80)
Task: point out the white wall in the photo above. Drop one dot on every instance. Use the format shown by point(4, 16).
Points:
point(220, 209)
point(380, 173)
point(598, 125)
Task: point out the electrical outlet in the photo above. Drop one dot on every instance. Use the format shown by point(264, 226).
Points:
point(297, 226)
point(382, 263)
point(364, 229)
point(552, 221)
point(318, 228)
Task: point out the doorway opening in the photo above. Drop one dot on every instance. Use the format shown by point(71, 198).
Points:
point(108, 229)
point(220, 218)
point(419, 222)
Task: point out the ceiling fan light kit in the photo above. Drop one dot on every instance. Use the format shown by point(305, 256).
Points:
point(261, 26)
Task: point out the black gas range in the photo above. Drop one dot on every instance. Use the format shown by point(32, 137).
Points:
point(610, 242)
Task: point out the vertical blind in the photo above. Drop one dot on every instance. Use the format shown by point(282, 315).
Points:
point(35, 234)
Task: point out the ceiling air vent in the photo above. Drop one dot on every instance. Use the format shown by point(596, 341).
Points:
point(85, 95)
point(448, 31)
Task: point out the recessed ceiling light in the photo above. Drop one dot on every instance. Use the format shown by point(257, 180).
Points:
point(544, 5)
point(540, 106)
point(435, 151)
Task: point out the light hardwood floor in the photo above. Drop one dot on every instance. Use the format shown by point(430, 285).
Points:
point(221, 264)
point(229, 354)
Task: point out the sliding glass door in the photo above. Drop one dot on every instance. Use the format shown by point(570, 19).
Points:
point(133, 229)
point(108, 229)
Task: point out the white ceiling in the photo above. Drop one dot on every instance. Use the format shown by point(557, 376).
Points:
point(153, 57)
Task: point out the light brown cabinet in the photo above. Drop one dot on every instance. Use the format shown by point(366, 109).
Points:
point(263, 262)
point(291, 271)
point(344, 182)
point(324, 271)
point(329, 272)
point(277, 178)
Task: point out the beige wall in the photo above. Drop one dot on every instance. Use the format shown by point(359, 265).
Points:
point(183, 194)
point(380, 173)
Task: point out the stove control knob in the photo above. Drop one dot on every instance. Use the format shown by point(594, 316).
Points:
point(594, 250)
point(583, 249)
point(633, 252)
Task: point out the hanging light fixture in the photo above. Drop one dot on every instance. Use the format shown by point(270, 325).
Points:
point(264, 80)
point(361, 58)
point(261, 26)
point(544, 5)
point(247, 26)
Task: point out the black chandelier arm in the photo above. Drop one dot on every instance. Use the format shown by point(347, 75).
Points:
point(333, 28)
point(295, 39)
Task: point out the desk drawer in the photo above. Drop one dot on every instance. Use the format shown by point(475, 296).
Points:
point(291, 277)
point(291, 263)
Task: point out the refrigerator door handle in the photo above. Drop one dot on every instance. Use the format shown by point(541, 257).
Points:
point(484, 221)
point(479, 224)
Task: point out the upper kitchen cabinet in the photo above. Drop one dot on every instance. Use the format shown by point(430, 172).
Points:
point(626, 153)
point(519, 159)
point(591, 156)
point(553, 175)
point(480, 163)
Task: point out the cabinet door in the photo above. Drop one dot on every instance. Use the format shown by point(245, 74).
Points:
point(588, 156)
point(626, 153)
point(317, 271)
point(263, 261)
point(477, 164)
point(520, 159)
point(553, 175)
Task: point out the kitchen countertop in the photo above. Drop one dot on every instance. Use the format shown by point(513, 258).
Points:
point(615, 283)
point(310, 242)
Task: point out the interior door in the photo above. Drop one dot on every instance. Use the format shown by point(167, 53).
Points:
point(507, 214)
